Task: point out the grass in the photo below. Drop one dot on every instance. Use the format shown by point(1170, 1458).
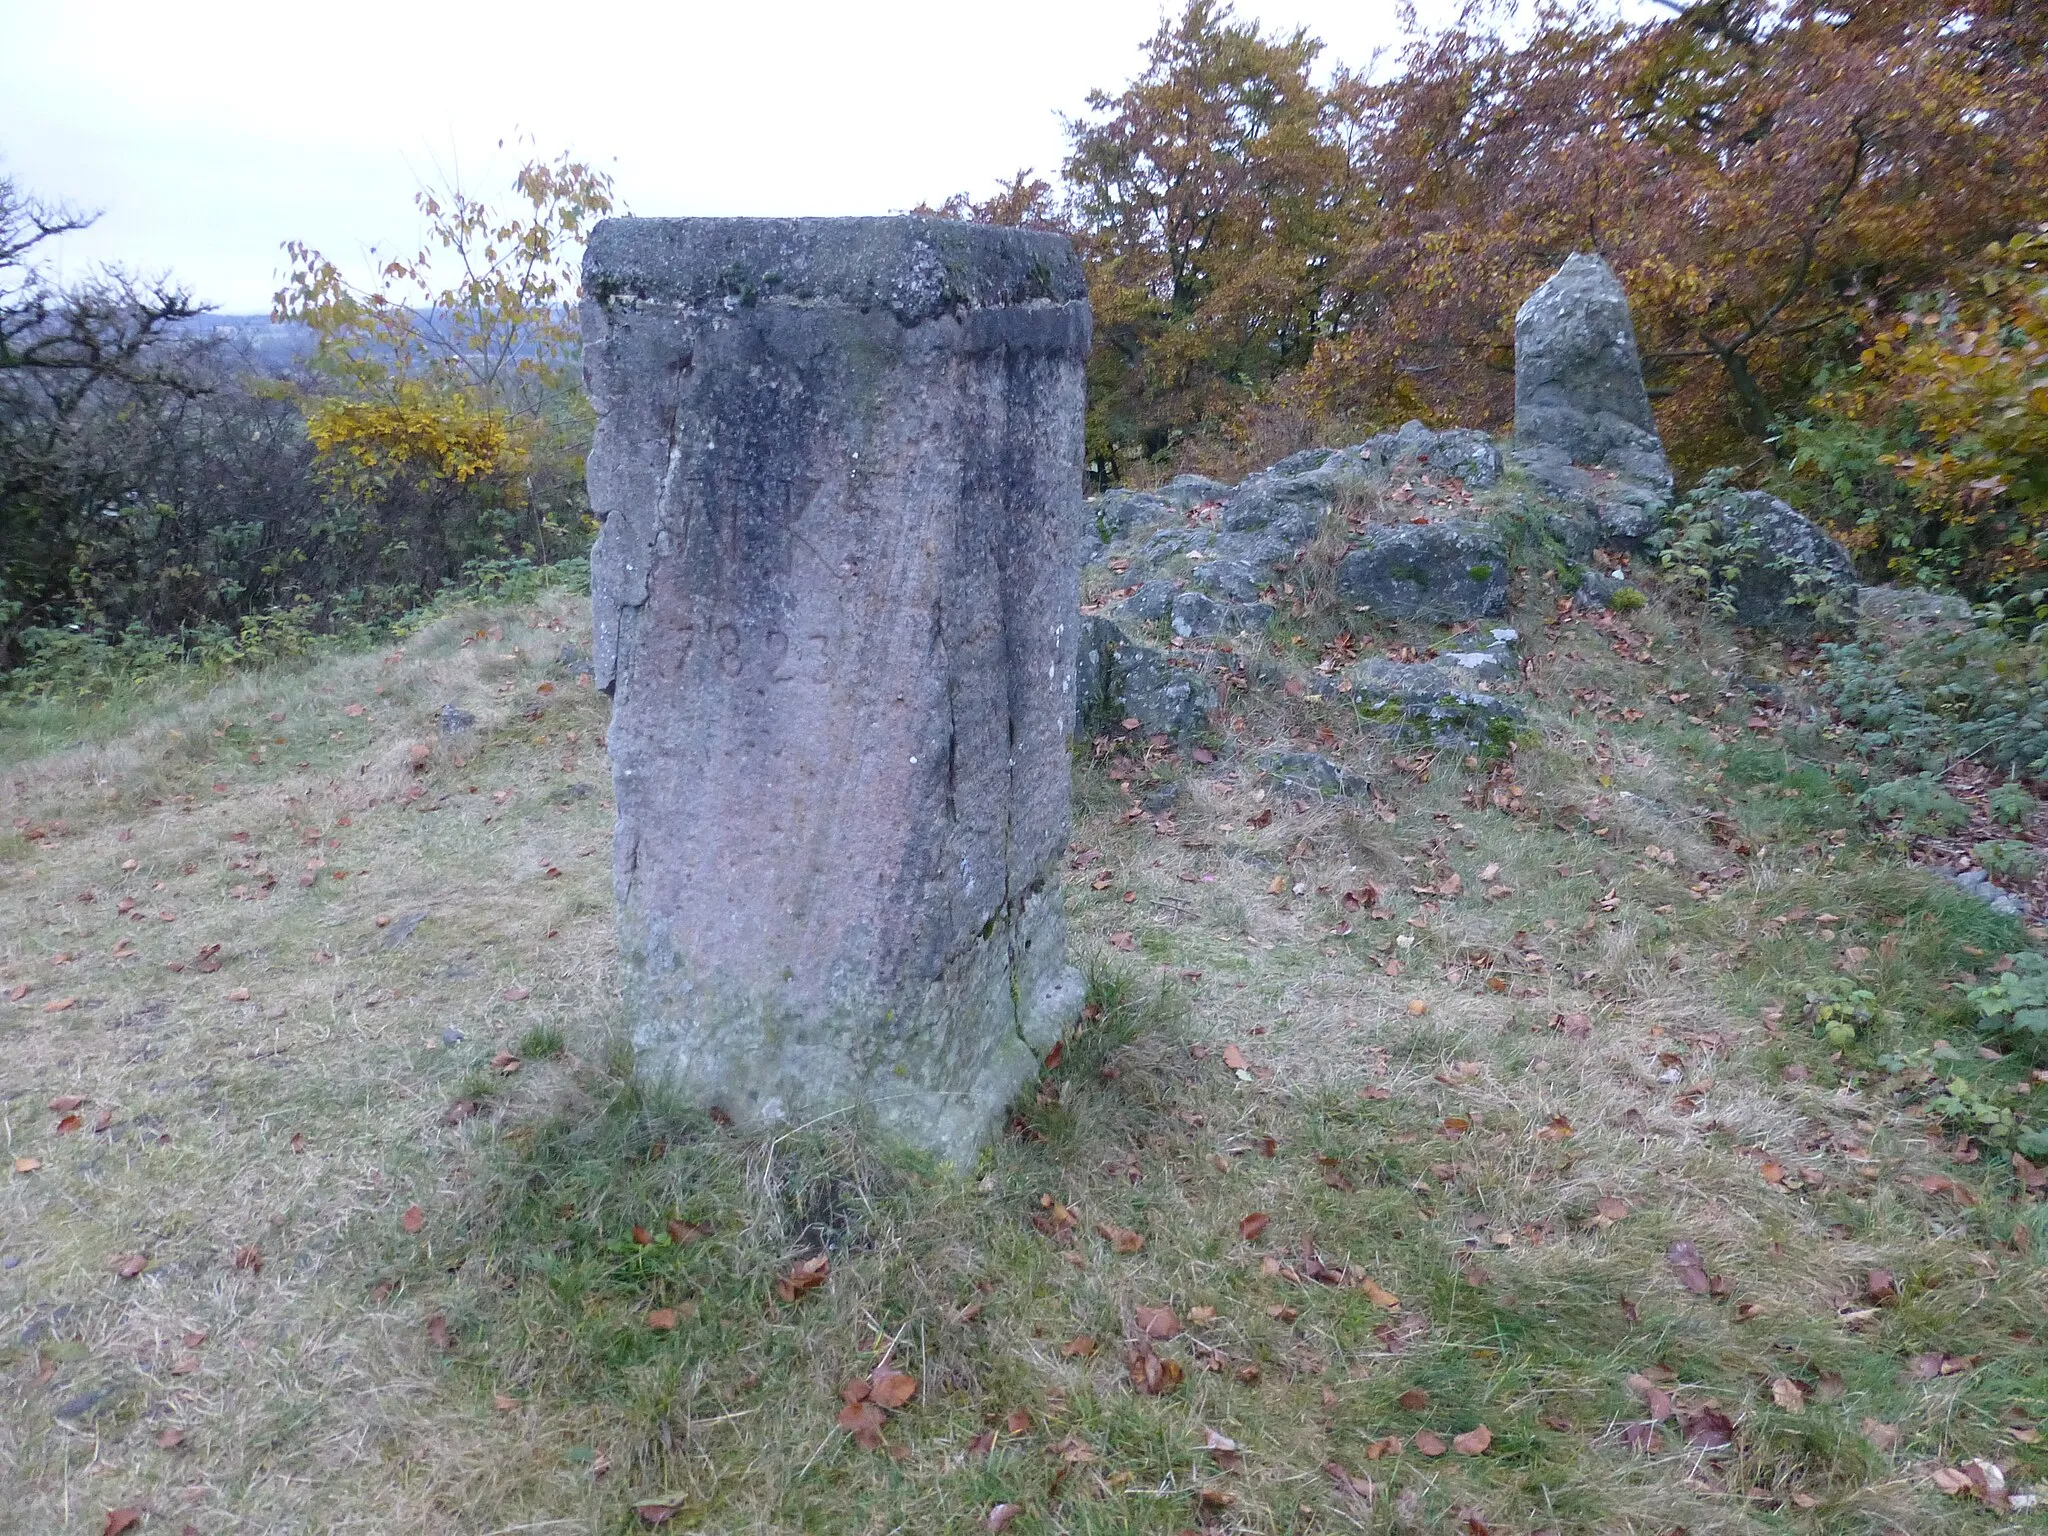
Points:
point(1502, 1107)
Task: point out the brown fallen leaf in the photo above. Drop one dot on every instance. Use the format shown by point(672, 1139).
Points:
point(170, 1439)
point(1000, 1516)
point(1360, 1488)
point(517, 994)
point(1609, 1211)
point(1429, 1443)
point(58, 1005)
point(1473, 1442)
point(119, 1520)
point(1234, 1059)
point(655, 1514)
point(662, 1319)
point(413, 1219)
point(505, 1063)
point(1377, 1294)
point(1122, 1239)
point(1080, 1347)
point(1158, 1322)
point(1879, 1286)
point(249, 1257)
point(438, 1334)
point(239, 995)
point(1788, 1394)
point(1414, 1400)
point(27, 1164)
point(69, 1124)
point(1151, 1375)
point(1885, 1437)
point(1223, 1450)
point(1252, 1227)
point(864, 1422)
point(892, 1389)
point(131, 1265)
point(63, 1104)
point(806, 1275)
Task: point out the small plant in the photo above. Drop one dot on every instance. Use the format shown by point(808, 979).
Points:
point(1840, 1010)
point(1920, 803)
point(2018, 1000)
point(541, 1042)
point(2007, 860)
point(2011, 803)
point(1932, 699)
point(1627, 600)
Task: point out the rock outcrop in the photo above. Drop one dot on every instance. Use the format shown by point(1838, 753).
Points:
point(1583, 428)
point(1789, 576)
point(1119, 679)
point(838, 463)
point(1444, 572)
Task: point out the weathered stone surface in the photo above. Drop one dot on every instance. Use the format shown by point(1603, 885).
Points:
point(1118, 679)
point(1791, 577)
point(1443, 572)
point(1311, 774)
point(1583, 428)
point(1911, 605)
point(838, 464)
point(1433, 701)
point(1464, 454)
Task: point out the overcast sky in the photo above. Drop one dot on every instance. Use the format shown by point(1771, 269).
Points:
point(209, 131)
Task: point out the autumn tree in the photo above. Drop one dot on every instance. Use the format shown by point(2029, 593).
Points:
point(445, 411)
point(1766, 175)
point(1208, 196)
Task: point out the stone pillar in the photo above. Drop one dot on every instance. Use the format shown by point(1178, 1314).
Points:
point(838, 464)
point(1580, 402)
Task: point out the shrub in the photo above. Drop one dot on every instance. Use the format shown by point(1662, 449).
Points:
point(2017, 1003)
point(2011, 803)
point(2007, 860)
point(1627, 600)
point(1932, 699)
point(1920, 803)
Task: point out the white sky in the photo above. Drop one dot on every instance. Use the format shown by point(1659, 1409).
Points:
point(210, 131)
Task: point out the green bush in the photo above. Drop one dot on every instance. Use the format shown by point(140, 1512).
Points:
point(2017, 1003)
point(2007, 860)
point(1626, 600)
point(1932, 699)
point(1920, 803)
point(2011, 803)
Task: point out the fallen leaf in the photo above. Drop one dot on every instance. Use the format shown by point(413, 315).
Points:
point(662, 1319)
point(1685, 1259)
point(65, 1103)
point(59, 1004)
point(655, 1514)
point(1252, 1227)
point(1609, 1211)
point(1885, 1437)
point(1158, 1322)
point(1122, 1239)
point(517, 994)
point(27, 1164)
point(806, 1275)
point(1377, 1294)
point(864, 1422)
point(1473, 1442)
point(170, 1439)
point(249, 1257)
point(1000, 1516)
point(1414, 1400)
point(1417, 1007)
point(239, 995)
point(1788, 1394)
point(1234, 1059)
point(1018, 1422)
point(1709, 1427)
point(892, 1389)
point(1879, 1286)
point(1120, 940)
point(131, 1265)
point(438, 1335)
point(413, 1219)
point(119, 1520)
point(1151, 1375)
point(68, 1124)
point(1080, 1347)
point(1223, 1450)
point(1429, 1443)
point(505, 1063)
point(1348, 1482)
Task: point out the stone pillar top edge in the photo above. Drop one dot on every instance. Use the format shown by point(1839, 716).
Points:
point(917, 267)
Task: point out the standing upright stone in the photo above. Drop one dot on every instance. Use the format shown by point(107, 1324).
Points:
point(1580, 403)
point(838, 464)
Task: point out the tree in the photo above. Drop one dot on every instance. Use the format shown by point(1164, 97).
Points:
point(80, 367)
point(1765, 175)
point(446, 415)
point(1208, 197)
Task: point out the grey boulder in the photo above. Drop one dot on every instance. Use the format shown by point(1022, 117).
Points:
point(1444, 572)
point(1118, 679)
point(1311, 774)
point(1790, 576)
